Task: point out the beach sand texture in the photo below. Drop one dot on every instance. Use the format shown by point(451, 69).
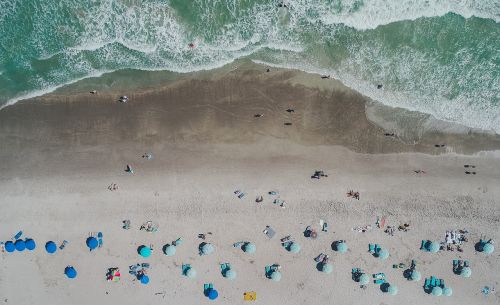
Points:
point(60, 152)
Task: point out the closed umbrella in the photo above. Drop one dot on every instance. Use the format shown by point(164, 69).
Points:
point(170, 250)
point(437, 291)
point(466, 272)
point(70, 272)
point(249, 248)
point(30, 244)
point(207, 249)
point(447, 291)
point(145, 251)
point(276, 276)
point(392, 290)
point(191, 273)
point(341, 247)
point(230, 274)
point(20, 245)
point(327, 268)
point(92, 243)
point(213, 294)
point(50, 247)
point(144, 279)
point(364, 279)
point(383, 254)
point(488, 248)
point(415, 276)
point(294, 247)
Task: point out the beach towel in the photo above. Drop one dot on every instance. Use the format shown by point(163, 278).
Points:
point(250, 296)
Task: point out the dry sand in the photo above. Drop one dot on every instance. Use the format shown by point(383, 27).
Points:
point(61, 151)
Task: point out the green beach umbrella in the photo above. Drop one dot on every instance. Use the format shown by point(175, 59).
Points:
point(364, 279)
point(341, 247)
point(437, 291)
point(415, 276)
point(383, 254)
point(191, 273)
point(392, 290)
point(230, 274)
point(327, 268)
point(207, 249)
point(276, 276)
point(294, 247)
point(466, 272)
point(170, 250)
point(488, 248)
point(447, 291)
point(249, 248)
point(433, 247)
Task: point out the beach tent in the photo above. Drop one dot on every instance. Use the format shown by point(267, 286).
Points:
point(383, 254)
point(92, 243)
point(294, 247)
point(10, 247)
point(70, 272)
point(437, 291)
point(144, 251)
point(276, 276)
point(488, 248)
point(144, 279)
point(20, 245)
point(230, 274)
point(415, 276)
point(207, 248)
point(249, 248)
point(392, 290)
point(341, 247)
point(466, 272)
point(170, 250)
point(327, 268)
point(191, 273)
point(30, 244)
point(433, 247)
point(447, 291)
point(50, 247)
point(364, 279)
point(213, 294)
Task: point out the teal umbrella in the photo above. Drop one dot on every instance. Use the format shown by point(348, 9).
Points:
point(437, 291)
point(488, 248)
point(383, 254)
point(433, 247)
point(341, 247)
point(327, 268)
point(276, 276)
point(447, 291)
point(294, 247)
point(170, 250)
point(415, 276)
point(466, 272)
point(364, 279)
point(191, 273)
point(392, 290)
point(249, 248)
point(230, 274)
point(207, 249)
point(145, 251)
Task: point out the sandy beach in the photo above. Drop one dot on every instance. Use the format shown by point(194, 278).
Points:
point(61, 151)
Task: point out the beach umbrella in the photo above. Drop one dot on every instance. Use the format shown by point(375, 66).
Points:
point(294, 247)
point(213, 294)
point(364, 279)
point(144, 279)
point(447, 291)
point(249, 248)
point(341, 247)
point(70, 272)
point(276, 276)
point(415, 276)
point(30, 244)
point(170, 250)
point(437, 291)
point(230, 274)
point(327, 268)
point(207, 249)
point(20, 245)
point(488, 248)
point(10, 247)
point(383, 254)
point(50, 247)
point(92, 243)
point(191, 273)
point(145, 251)
point(466, 272)
point(433, 247)
point(392, 290)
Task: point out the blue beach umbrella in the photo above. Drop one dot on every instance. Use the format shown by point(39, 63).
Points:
point(230, 274)
point(383, 254)
point(92, 243)
point(447, 291)
point(488, 248)
point(466, 272)
point(294, 247)
point(170, 250)
point(276, 276)
point(70, 272)
point(10, 247)
point(20, 245)
point(341, 247)
point(364, 279)
point(30, 244)
point(50, 247)
point(415, 276)
point(437, 291)
point(207, 249)
point(392, 290)
point(144, 251)
point(249, 248)
point(213, 294)
point(327, 268)
point(144, 279)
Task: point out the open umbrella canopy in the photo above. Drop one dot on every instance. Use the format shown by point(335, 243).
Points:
point(488, 248)
point(144, 251)
point(191, 273)
point(276, 276)
point(327, 268)
point(92, 243)
point(230, 274)
point(170, 250)
point(433, 247)
point(9, 246)
point(207, 249)
point(392, 290)
point(466, 272)
point(144, 279)
point(294, 247)
point(20, 245)
point(415, 276)
point(50, 247)
point(341, 247)
point(30, 244)
point(437, 291)
point(383, 254)
point(70, 272)
point(213, 294)
point(447, 291)
point(249, 248)
point(364, 279)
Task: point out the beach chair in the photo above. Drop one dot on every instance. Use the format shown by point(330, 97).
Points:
point(371, 248)
point(427, 284)
point(355, 270)
point(377, 248)
point(325, 227)
point(455, 264)
point(438, 283)
point(99, 239)
point(269, 270)
point(433, 282)
point(422, 245)
point(18, 235)
point(145, 265)
point(250, 296)
point(225, 267)
point(413, 264)
point(63, 245)
point(466, 264)
point(379, 281)
point(185, 268)
point(442, 285)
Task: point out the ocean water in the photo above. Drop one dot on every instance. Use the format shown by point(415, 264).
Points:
point(440, 57)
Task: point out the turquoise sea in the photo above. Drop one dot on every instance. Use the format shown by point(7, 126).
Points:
point(436, 56)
